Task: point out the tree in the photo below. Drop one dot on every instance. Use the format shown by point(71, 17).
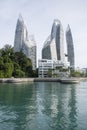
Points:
point(8, 70)
point(18, 73)
point(76, 74)
point(49, 73)
point(15, 64)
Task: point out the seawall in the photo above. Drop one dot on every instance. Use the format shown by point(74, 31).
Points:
point(20, 80)
point(16, 80)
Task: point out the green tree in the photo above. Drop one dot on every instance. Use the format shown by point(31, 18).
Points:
point(76, 74)
point(8, 70)
point(18, 73)
point(49, 73)
point(15, 64)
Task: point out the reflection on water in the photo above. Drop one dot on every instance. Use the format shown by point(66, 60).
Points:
point(39, 106)
point(73, 110)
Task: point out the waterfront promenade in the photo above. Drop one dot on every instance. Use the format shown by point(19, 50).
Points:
point(17, 80)
point(20, 80)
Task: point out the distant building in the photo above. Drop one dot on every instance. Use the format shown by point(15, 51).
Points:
point(70, 47)
point(44, 65)
point(54, 45)
point(23, 42)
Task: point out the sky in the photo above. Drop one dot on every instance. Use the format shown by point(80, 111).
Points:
point(39, 15)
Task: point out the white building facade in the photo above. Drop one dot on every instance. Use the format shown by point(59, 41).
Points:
point(44, 65)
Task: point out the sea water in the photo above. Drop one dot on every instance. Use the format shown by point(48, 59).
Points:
point(43, 106)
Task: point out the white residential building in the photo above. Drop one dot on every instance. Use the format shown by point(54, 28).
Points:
point(44, 65)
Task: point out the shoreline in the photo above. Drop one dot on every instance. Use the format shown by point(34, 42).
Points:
point(20, 80)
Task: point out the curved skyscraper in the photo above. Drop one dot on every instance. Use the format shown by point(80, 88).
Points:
point(54, 46)
point(23, 42)
point(46, 51)
point(19, 33)
point(58, 35)
point(70, 47)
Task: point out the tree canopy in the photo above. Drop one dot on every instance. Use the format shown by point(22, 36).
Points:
point(15, 64)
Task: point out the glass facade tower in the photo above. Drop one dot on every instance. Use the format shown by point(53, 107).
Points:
point(23, 42)
point(70, 47)
point(54, 46)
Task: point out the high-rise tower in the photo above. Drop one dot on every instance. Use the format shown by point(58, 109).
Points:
point(70, 47)
point(54, 46)
point(23, 42)
point(58, 34)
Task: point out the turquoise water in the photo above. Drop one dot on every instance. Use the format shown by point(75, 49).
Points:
point(43, 106)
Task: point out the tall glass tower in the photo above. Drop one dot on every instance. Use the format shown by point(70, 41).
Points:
point(70, 47)
point(23, 42)
point(58, 34)
point(54, 45)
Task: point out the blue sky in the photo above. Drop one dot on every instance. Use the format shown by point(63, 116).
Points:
point(38, 16)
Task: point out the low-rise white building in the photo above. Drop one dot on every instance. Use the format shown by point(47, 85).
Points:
point(44, 65)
